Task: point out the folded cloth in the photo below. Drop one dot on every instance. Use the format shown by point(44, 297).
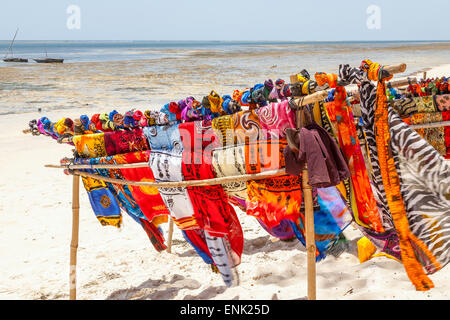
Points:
point(316, 148)
point(442, 102)
point(119, 142)
point(425, 104)
point(404, 106)
point(164, 138)
point(275, 118)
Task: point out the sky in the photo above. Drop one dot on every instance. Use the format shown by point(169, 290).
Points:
point(262, 20)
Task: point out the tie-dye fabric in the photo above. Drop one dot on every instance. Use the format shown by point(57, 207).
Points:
point(330, 219)
point(275, 118)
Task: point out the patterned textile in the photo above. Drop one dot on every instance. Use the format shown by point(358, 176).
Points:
point(118, 142)
point(426, 190)
point(164, 138)
point(442, 102)
point(166, 166)
point(386, 241)
point(283, 230)
point(272, 200)
point(425, 104)
point(90, 145)
point(223, 127)
point(196, 238)
point(330, 219)
point(275, 118)
point(367, 214)
point(392, 186)
point(230, 161)
point(405, 106)
point(434, 136)
point(103, 202)
point(148, 198)
point(247, 127)
point(215, 215)
point(127, 202)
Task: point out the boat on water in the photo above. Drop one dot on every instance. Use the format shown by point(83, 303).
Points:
point(10, 51)
point(48, 60)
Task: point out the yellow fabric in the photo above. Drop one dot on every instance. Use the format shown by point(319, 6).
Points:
point(366, 249)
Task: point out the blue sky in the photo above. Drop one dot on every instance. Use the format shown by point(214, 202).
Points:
point(287, 20)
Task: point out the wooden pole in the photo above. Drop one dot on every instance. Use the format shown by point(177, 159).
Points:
point(169, 240)
point(187, 183)
point(74, 241)
point(308, 201)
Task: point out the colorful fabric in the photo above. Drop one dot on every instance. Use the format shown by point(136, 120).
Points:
point(275, 118)
point(425, 104)
point(330, 219)
point(426, 189)
point(404, 106)
point(230, 161)
point(102, 200)
point(247, 127)
point(90, 145)
point(272, 200)
point(148, 198)
point(442, 102)
point(164, 138)
point(119, 142)
point(386, 241)
point(367, 214)
point(434, 136)
point(166, 166)
point(223, 127)
point(391, 182)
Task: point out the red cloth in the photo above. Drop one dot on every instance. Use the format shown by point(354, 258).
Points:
point(118, 142)
point(148, 198)
point(211, 207)
point(446, 117)
point(155, 236)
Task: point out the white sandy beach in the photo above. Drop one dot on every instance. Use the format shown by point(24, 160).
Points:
point(36, 222)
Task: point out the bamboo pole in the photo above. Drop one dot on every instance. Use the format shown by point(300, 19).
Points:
point(307, 194)
point(169, 240)
point(188, 183)
point(74, 241)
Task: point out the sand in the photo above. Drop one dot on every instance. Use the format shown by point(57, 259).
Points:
point(35, 219)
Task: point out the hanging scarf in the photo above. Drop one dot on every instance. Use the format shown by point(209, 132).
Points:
point(148, 198)
point(391, 182)
point(247, 127)
point(442, 102)
point(367, 214)
point(166, 137)
point(275, 118)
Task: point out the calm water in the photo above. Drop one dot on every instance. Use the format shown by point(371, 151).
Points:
point(109, 74)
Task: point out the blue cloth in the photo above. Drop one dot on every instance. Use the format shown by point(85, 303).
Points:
point(164, 138)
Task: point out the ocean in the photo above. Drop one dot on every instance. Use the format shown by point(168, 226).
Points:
point(148, 74)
